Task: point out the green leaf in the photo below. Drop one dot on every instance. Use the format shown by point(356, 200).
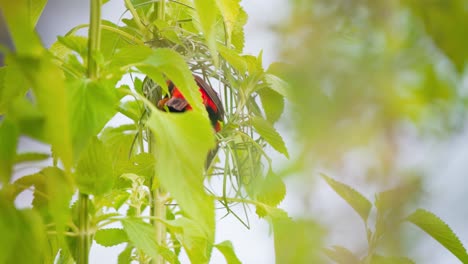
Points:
point(143, 236)
point(377, 259)
point(237, 35)
point(27, 117)
point(8, 143)
point(78, 44)
point(110, 237)
point(271, 190)
point(92, 105)
point(31, 156)
point(23, 238)
point(12, 85)
point(207, 13)
point(440, 231)
point(35, 8)
point(125, 257)
point(21, 16)
point(193, 238)
point(59, 194)
point(277, 84)
point(445, 22)
point(175, 68)
point(297, 241)
point(47, 81)
point(272, 103)
point(233, 58)
point(183, 141)
point(357, 201)
point(227, 250)
point(269, 133)
point(94, 172)
point(341, 255)
point(229, 10)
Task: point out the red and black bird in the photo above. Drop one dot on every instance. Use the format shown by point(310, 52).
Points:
point(175, 101)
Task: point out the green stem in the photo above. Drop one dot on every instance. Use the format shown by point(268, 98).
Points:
point(94, 36)
point(136, 17)
point(83, 235)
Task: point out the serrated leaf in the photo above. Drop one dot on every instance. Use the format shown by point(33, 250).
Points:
point(440, 231)
point(8, 143)
point(277, 84)
point(271, 190)
point(269, 133)
point(110, 237)
point(94, 172)
point(229, 10)
point(207, 13)
point(227, 250)
point(182, 142)
point(92, 105)
point(357, 201)
point(143, 236)
point(341, 255)
point(237, 35)
point(272, 103)
point(377, 259)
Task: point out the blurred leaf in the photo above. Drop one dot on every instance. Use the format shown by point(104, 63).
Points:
point(446, 23)
point(297, 241)
point(440, 231)
point(8, 143)
point(272, 103)
point(207, 13)
point(31, 156)
point(110, 237)
point(94, 172)
point(23, 238)
point(143, 236)
point(92, 105)
point(227, 250)
point(182, 143)
point(21, 17)
point(271, 190)
point(118, 140)
point(376, 259)
point(59, 194)
point(35, 8)
point(193, 238)
point(341, 255)
point(12, 85)
point(269, 133)
point(125, 257)
point(27, 117)
point(357, 201)
point(48, 84)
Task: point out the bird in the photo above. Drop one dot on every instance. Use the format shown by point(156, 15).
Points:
point(176, 102)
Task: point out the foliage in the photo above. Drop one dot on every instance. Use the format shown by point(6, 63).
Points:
point(155, 159)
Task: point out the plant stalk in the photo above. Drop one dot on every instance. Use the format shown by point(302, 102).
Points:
point(94, 42)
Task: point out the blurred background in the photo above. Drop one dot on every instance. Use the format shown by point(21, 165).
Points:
point(377, 100)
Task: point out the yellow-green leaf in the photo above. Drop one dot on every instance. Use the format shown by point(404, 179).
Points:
point(269, 133)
